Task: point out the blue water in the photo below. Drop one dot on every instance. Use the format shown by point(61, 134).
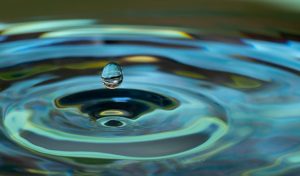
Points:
point(188, 104)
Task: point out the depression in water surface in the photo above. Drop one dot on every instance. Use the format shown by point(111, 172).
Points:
point(188, 104)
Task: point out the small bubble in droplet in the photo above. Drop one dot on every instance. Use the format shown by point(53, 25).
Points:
point(112, 75)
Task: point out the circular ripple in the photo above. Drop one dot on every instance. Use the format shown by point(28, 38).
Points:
point(80, 124)
point(181, 98)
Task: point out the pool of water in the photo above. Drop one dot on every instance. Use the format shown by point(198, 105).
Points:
point(188, 103)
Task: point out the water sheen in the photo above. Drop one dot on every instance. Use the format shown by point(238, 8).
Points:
point(190, 104)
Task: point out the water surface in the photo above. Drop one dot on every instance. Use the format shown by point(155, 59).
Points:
point(188, 103)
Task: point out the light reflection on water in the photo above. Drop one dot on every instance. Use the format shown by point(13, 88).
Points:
point(186, 104)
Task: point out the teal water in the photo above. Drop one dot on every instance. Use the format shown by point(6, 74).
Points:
point(188, 104)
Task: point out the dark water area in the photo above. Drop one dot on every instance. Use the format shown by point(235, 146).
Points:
point(204, 88)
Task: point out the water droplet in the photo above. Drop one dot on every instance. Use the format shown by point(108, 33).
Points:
point(112, 75)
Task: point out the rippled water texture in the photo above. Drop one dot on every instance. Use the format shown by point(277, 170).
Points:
point(187, 104)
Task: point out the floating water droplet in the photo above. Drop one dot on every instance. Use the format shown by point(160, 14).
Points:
point(112, 75)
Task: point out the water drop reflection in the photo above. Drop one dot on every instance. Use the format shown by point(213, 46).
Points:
point(112, 75)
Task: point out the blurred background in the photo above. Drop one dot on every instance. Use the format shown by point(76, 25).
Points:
point(230, 17)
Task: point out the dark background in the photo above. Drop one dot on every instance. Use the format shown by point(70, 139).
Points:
point(230, 17)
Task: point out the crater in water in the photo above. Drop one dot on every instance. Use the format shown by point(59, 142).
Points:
point(188, 100)
point(129, 103)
